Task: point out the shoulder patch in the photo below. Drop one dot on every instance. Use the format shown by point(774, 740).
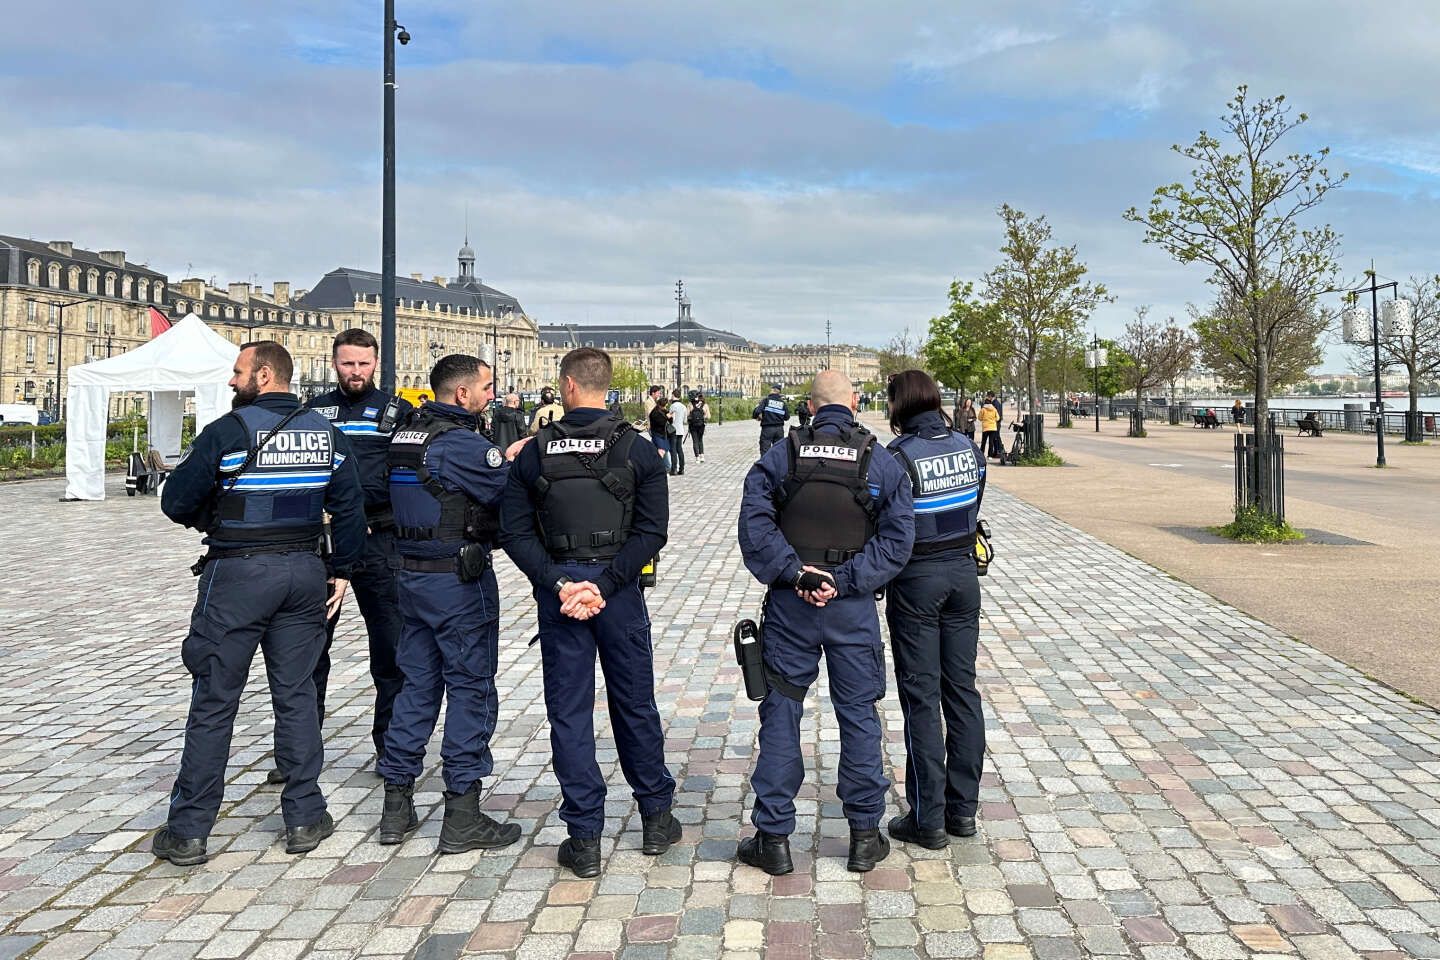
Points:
point(494, 458)
point(329, 413)
point(372, 412)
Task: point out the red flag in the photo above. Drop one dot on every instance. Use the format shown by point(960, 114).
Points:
point(158, 323)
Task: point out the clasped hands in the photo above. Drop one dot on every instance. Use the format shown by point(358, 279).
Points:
point(815, 586)
point(581, 600)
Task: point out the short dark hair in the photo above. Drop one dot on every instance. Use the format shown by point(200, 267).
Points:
point(449, 372)
point(911, 392)
point(270, 354)
point(590, 368)
point(355, 337)
point(654, 389)
point(675, 393)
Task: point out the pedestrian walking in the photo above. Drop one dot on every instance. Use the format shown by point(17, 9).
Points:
point(679, 427)
point(657, 421)
point(258, 482)
point(586, 507)
point(446, 480)
point(989, 419)
point(695, 420)
point(825, 521)
point(965, 418)
point(367, 417)
point(933, 609)
point(772, 412)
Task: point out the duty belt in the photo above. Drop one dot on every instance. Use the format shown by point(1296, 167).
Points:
point(225, 553)
point(380, 519)
point(437, 565)
point(936, 546)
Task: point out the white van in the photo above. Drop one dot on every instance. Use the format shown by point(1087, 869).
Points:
point(19, 413)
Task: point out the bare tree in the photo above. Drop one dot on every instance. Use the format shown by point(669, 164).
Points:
point(1418, 350)
point(1240, 215)
point(903, 352)
point(1039, 292)
point(1159, 354)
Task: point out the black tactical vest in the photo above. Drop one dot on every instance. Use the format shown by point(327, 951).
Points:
point(459, 519)
point(826, 511)
point(586, 488)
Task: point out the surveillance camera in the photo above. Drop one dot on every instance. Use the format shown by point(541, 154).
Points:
point(403, 36)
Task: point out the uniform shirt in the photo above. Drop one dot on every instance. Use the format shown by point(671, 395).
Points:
point(772, 411)
point(772, 560)
point(543, 415)
point(650, 522)
point(195, 481)
point(359, 419)
point(461, 461)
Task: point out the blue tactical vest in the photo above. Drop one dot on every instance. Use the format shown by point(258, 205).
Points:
point(280, 496)
point(432, 520)
point(945, 470)
point(773, 412)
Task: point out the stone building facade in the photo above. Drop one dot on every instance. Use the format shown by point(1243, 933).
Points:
point(436, 317)
point(798, 363)
point(712, 361)
point(61, 306)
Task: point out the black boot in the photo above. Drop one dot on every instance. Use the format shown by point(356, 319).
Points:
point(905, 830)
point(398, 818)
point(581, 855)
point(658, 831)
point(181, 852)
point(768, 851)
point(960, 826)
point(274, 776)
point(867, 848)
point(305, 838)
point(466, 828)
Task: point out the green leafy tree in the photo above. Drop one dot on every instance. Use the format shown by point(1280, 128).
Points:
point(1240, 215)
point(629, 380)
point(961, 350)
point(1115, 375)
point(1039, 292)
point(1159, 353)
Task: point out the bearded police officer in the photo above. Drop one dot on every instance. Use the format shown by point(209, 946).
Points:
point(585, 510)
point(772, 412)
point(367, 417)
point(446, 479)
point(258, 482)
point(933, 609)
point(825, 521)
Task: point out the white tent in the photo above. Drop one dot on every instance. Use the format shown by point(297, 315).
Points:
point(187, 358)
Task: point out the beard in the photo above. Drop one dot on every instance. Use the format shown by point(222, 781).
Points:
point(357, 391)
point(247, 392)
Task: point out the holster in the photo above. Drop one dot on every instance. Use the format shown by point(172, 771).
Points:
point(983, 551)
point(750, 655)
point(472, 562)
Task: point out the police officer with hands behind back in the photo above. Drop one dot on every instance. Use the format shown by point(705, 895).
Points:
point(586, 507)
point(825, 521)
point(367, 417)
point(446, 480)
point(933, 610)
point(257, 482)
point(772, 412)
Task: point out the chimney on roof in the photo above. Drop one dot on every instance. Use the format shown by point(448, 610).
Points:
point(63, 247)
point(418, 277)
point(116, 257)
point(193, 288)
point(300, 294)
point(240, 292)
point(282, 292)
point(439, 281)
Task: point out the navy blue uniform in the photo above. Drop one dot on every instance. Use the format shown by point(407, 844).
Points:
point(264, 587)
point(620, 634)
point(772, 412)
point(933, 609)
point(846, 630)
point(373, 579)
point(450, 634)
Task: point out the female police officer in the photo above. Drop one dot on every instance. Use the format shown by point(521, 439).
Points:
point(934, 616)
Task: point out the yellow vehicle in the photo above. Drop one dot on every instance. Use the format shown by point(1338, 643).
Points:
point(415, 395)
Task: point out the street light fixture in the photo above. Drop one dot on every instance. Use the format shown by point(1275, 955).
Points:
point(393, 31)
point(60, 309)
point(1095, 358)
point(680, 304)
point(1353, 333)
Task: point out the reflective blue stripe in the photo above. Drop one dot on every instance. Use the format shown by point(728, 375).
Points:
point(412, 479)
point(357, 427)
point(964, 496)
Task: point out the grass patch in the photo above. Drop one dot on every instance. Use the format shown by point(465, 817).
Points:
point(1252, 526)
point(1045, 457)
point(1414, 443)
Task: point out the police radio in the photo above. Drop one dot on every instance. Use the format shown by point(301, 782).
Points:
point(390, 417)
point(647, 573)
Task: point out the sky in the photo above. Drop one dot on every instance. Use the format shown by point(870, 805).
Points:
point(792, 162)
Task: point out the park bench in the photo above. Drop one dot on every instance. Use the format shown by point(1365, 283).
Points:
point(1205, 421)
point(1308, 424)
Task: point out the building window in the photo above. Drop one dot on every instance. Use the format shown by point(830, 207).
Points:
point(109, 319)
point(74, 278)
point(30, 354)
point(142, 289)
point(181, 306)
point(32, 273)
point(214, 310)
point(157, 291)
point(52, 275)
point(54, 313)
point(49, 349)
point(127, 287)
point(229, 313)
point(90, 326)
point(109, 284)
point(92, 281)
point(32, 311)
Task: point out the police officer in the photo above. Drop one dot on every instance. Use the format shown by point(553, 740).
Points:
point(933, 609)
point(549, 410)
point(445, 485)
point(803, 412)
point(585, 509)
point(257, 482)
point(367, 417)
point(772, 412)
point(825, 521)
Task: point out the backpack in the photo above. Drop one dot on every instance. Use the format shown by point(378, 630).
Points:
point(696, 417)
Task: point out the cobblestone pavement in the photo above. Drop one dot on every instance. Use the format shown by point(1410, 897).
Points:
point(1166, 778)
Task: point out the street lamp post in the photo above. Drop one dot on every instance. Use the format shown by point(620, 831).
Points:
point(393, 31)
point(1374, 290)
point(679, 325)
point(60, 309)
point(1096, 357)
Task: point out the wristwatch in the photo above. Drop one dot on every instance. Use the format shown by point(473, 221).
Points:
point(560, 584)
